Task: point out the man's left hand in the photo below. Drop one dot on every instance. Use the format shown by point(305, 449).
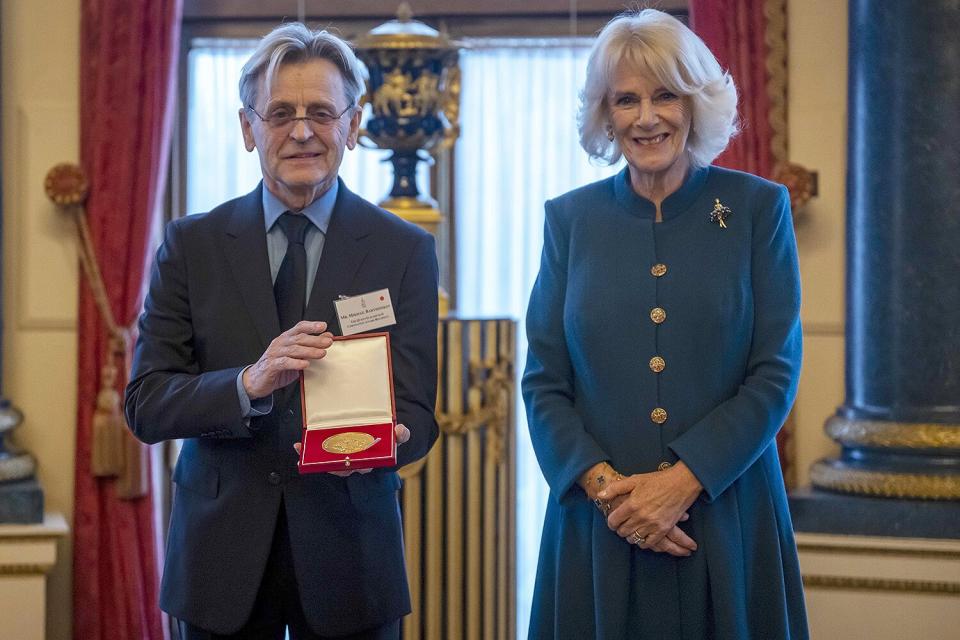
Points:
point(400, 431)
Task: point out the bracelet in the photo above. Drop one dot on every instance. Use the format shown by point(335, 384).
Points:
point(604, 505)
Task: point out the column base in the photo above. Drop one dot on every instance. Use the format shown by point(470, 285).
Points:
point(891, 459)
point(851, 431)
point(837, 475)
point(816, 511)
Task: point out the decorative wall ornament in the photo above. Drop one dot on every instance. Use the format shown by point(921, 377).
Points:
point(775, 39)
point(800, 181)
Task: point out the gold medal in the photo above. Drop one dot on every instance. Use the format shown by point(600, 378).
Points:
point(349, 442)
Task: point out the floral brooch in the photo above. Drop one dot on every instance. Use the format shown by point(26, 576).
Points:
point(720, 213)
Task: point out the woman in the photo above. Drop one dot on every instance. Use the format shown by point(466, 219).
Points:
point(664, 354)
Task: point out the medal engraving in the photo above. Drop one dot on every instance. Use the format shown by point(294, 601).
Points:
point(349, 442)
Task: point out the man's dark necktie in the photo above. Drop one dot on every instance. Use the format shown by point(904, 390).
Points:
point(290, 287)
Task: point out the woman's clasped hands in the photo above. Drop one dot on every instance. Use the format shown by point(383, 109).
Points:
point(646, 507)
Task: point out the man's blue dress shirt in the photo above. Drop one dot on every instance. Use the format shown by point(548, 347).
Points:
point(318, 212)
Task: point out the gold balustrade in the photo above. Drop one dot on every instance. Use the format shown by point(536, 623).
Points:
point(458, 502)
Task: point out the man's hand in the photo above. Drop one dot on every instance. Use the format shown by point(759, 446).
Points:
point(288, 354)
point(401, 432)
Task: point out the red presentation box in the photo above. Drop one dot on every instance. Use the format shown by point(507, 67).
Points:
point(349, 413)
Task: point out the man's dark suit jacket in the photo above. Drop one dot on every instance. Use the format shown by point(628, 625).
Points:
point(209, 312)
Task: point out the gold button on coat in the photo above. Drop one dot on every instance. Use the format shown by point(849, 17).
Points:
point(657, 364)
point(658, 269)
point(663, 465)
point(658, 415)
point(658, 315)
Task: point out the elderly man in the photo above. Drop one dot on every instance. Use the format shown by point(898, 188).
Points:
point(241, 299)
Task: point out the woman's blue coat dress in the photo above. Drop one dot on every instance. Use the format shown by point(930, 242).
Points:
point(731, 344)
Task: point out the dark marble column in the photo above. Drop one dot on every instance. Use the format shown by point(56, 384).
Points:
point(900, 425)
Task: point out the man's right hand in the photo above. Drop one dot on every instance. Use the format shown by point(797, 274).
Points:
point(288, 354)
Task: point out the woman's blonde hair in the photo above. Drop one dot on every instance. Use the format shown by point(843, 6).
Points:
point(657, 43)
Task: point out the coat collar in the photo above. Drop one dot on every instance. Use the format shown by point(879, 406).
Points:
point(672, 206)
point(246, 251)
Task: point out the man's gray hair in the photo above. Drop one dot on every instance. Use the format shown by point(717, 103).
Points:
point(293, 43)
point(653, 42)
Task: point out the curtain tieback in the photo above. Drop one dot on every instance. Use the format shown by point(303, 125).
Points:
point(114, 452)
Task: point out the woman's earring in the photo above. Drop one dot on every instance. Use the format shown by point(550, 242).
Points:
point(609, 133)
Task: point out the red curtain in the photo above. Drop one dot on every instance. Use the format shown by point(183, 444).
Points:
point(734, 30)
point(127, 66)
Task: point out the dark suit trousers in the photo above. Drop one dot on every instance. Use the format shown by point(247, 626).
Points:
point(278, 604)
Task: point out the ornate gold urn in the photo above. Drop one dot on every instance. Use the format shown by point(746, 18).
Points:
point(414, 94)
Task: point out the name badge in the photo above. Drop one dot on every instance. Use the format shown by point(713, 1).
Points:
point(365, 312)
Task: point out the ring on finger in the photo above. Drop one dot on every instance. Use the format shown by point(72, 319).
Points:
point(637, 538)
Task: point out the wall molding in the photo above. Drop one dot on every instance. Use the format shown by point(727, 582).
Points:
point(845, 583)
point(45, 264)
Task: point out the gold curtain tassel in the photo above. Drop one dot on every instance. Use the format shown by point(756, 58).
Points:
point(106, 454)
point(134, 480)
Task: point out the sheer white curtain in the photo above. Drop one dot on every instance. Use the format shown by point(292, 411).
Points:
point(218, 165)
point(519, 146)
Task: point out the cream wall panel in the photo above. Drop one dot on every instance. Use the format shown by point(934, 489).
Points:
point(41, 44)
point(882, 616)
point(869, 588)
point(817, 63)
point(22, 607)
point(46, 253)
point(27, 552)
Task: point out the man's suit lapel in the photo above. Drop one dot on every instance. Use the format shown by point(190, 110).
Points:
point(246, 250)
point(344, 250)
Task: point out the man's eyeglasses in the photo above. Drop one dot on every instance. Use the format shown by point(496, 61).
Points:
point(283, 117)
